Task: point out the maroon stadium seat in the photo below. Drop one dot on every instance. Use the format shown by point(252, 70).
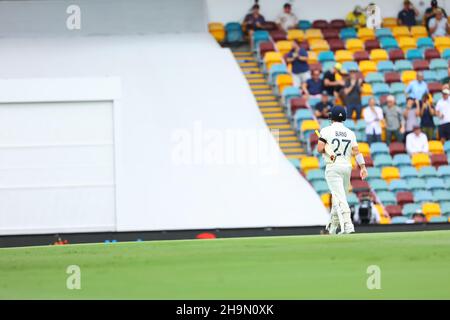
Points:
point(361, 55)
point(420, 65)
point(355, 175)
point(390, 77)
point(298, 103)
point(369, 161)
point(313, 140)
point(336, 44)
point(432, 53)
point(320, 24)
point(394, 210)
point(397, 148)
point(372, 44)
point(396, 54)
point(434, 87)
point(329, 34)
point(278, 35)
point(270, 26)
point(383, 100)
point(338, 23)
point(404, 197)
point(438, 160)
point(315, 66)
point(266, 47)
point(360, 186)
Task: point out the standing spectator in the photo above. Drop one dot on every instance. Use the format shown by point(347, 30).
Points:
point(253, 21)
point(322, 108)
point(438, 26)
point(416, 141)
point(298, 57)
point(407, 16)
point(417, 88)
point(394, 121)
point(313, 87)
point(287, 20)
point(443, 112)
point(331, 84)
point(352, 94)
point(373, 116)
point(410, 114)
point(356, 18)
point(426, 113)
point(431, 12)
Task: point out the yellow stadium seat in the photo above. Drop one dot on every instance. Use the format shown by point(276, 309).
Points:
point(408, 76)
point(309, 163)
point(419, 160)
point(284, 46)
point(294, 34)
point(390, 173)
point(312, 57)
point(271, 58)
point(419, 32)
point(436, 147)
point(217, 30)
point(319, 45)
point(326, 200)
point(442, 43)
point(308, 125)
point(342, 56)
point(364, 148)
point(431, 209)
point(377, 55)
point(313, 34)
point(389, 22)
point(283, 81)
point(400, 31)
point(366, 90)
point(366, 34)
point(367, 66)
point(406, 43)
point(384, 218)
point(354, 45)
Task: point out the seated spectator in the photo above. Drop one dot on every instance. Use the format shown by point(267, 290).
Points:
point(417, 88)
point(298, 57)
point(322, 108)
point(426, 113)
point(352, 94)
point(287, 19)
point(443, 112)
point(373, 115)
point(356, 18)
point(313, 87)
point(431, 12)
point(438, 26)
point(407, 16)
point(410, 115)
point(330, 81)
point(416, 141)
point(394, 121)
point(253, 21)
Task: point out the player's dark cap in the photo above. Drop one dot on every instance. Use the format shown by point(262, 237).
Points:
point(434, 3)
point(338, 113)
point(287, 5)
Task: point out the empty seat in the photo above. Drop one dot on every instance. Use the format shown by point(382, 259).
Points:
point(361, 55)
point(442, 43)
point(434, 87)
point(419, 32)
point(338, 23)
point(389, 22)
point(402, 65)
point(309, 163)
point(260, 36)
point(438, 64)
point(408, 76)
point(379, 185)
point(377, 148)
point(444, 171)
point(284, 46)
point(445, 54)
point(394, 210)
point(350, 66)
point(354, 45)
point(397, 148)
point(315, 174)
point(360, 186)
point(325, 56)
point(374, 172)
point(383, 33)
point(429, 75)
point(400, 31)
point(336, 44)
point(366, 34)
point(343, 56)
point(431, 54)
point(414, 54)
point(404, 197)
point(364, 148)
point(390, 173)
point(380, 89)
point(391, 77)
point(379, 55)
point(427, 172)
point(371, 44)
point(396, 54)
point(374, 77)
point(431, 209)
point(387, 198)
point(441, 195)
point(297, 103)
point(407, 43)
point(438, 219)
point(398, 185)
point(408, 172)
point(425, 43)
point(420, 65)
point(420, 160)
point(271, 58)
point(417, 184)
point(423, 196)
point(265, 47)
point(304, 24)
point(295, 34)
point(348, 33)
point(313, 34)
point(217, 30)
point(320, 186)
point(435, 184)
point(399, 220)
point(283, 81)
point(436, 146)
point(278, 35)
point(410, 209)
point(367, 66)
point(385, 66)
point(330, 34)
point(320, 24)
point(234, 33)
point(382, 160)
point(402, 160)
point(389, 44)
point(319, 45)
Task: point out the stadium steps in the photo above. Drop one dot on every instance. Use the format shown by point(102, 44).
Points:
point(270, 106)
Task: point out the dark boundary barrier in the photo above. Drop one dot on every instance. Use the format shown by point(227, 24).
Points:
point(100, 237)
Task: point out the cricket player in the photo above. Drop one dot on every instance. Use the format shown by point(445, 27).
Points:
point(337, 145)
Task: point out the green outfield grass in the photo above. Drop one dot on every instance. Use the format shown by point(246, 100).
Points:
point(413, 265)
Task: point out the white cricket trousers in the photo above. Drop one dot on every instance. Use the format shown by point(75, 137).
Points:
point(338, 179)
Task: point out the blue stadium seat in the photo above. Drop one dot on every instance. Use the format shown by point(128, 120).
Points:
point(397, 87)
point(408, 172)
point(348, 33)
point(423, 196)
point(438, 64)
point(295, 162)
point(429, 75)
point(401, 100)
point(402, 160)
point(441, 74)
point(360, 125)
point(315, 174)
point(301, 115)
point(374, 77)
point(411, 208)
point(438, 219)
point(445, 208)
point(385, 66)
point(441, 195)
point(382, 160)
point(304, 25)
point(414, 54)
point(444, 171)
point(402, 65)
point(435, 184)
point(387, 198)
point(428, 172)
point(352, 199)
point(234, 32)
point(380, 89)
point(290, 93)
point(446, 54)
point(326, 56)
point(416, 184)
point(377, 148)
point(275, 70)
point(378, 185)
point(374, 173)
point(350, 66)
point(320, 186)
point(350, 124)
point(365, 100)
point(425, 43)
point(388, 43)
point(383, 33)
point(398, 185)
point(260, 36)
point(399, 220)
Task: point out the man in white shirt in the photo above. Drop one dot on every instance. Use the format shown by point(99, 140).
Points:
point(416, 141)
point(373, 116)
point(443, 112)
point(287, 20)
point(438, 25)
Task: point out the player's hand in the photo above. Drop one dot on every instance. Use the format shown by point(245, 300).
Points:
point(363, 173)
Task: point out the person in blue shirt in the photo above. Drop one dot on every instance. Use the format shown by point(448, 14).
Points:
point(313, 87)
point(417, 88)
point(298, 57)
point(407, 16)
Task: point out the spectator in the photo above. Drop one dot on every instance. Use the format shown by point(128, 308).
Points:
point(356, 18)
point(330, 82)
point(313, 87)
point(443, 112)
point(407, 16)
point(323, 107)
point(298, 57)
point(253, 21)
point(426, 113)
point(416, 141)
point(410, 115)
point(352, 94)
point(438, 26)
point(373, 116)
point(431, 12)
point(394, 120)
point(287, 20)
point(417, 88)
